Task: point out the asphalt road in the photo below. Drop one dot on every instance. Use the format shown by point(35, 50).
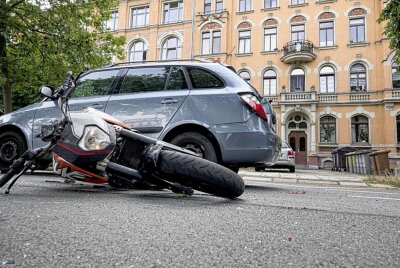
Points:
point(46, 223)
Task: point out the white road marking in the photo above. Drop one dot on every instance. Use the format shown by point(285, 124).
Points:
point(375, 197)
point(357, 191)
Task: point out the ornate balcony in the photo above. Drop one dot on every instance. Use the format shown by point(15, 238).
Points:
point(298, 51)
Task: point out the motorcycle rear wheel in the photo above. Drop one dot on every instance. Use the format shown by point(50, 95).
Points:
point(200, 174)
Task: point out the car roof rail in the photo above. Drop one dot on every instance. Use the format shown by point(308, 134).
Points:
point(156, 61)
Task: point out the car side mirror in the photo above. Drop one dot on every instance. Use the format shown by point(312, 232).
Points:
point(47, 91)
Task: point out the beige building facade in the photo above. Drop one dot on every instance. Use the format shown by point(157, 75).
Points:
point(324, 64)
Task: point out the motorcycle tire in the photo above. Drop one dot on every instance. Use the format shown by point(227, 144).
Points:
point(200, 174)
point(6, 177)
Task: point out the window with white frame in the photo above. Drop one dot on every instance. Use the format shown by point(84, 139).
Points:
point(326, 34)
point(211, 42)
point(269, 83)
point(138, 51)
point(244, 42)
point(298, 32)
point(395, 75)
point(173, 12)
point(270, 39)
point(357, 30)
point(358, 77)
point(270, 3)
point(297, 80)
point(112, 23)
point(171, 49)
point(219, 6)
point(244, 5)
point(298, 2)
point(327, 80)
point(207, 6)
point(140, 17)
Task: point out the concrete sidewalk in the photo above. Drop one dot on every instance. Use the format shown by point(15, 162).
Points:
point(307, 176)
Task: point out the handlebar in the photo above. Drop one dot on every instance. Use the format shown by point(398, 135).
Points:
point(8, 176)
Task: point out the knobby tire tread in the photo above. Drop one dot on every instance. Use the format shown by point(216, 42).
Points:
point(200, 174)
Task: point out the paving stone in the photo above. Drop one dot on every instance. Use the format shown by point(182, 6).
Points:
point(358, 184)
point(285, 180)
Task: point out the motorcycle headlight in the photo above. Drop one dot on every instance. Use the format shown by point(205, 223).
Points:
point(94, 139)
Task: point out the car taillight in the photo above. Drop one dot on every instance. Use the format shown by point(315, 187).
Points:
point(290, 153)
point(255, 105)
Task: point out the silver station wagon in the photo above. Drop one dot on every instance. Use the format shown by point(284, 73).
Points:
point(201, 106)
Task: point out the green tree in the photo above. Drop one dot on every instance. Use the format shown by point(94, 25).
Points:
point(391, 15)
point(41, 40)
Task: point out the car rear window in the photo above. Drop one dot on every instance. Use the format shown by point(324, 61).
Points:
point(176, 80)
point(145, 79)
point(202, 78)
point(153, 79)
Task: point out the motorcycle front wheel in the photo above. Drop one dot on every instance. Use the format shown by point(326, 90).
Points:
point(200, 174)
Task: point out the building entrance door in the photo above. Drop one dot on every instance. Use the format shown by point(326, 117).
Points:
point(298, 142)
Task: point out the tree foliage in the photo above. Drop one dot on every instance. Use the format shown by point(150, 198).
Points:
point(391, 15)
point(41, 40)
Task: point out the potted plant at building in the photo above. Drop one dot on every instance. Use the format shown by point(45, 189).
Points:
point(363, 135)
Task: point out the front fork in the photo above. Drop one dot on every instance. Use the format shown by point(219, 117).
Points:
point(148, 162)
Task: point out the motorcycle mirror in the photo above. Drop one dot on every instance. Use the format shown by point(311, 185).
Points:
point(47, 91)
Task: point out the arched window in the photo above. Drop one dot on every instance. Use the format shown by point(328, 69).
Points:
point(327, 129)
point(358, 77)
point(357, 25)
point(211, 42)
point(269, 83)
point(395, 75)
point(138, 51)
point(359, 129)
point(245, 75)
point(297, 80)
point(327, 80)
point(326, 29)
point(171, 49)
point(298, 32)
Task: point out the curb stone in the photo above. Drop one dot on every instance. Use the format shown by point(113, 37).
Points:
point(277, 177)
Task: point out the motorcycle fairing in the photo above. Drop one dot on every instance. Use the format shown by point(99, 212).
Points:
point(72, 172)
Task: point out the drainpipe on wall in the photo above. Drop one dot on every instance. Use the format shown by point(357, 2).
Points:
point(193, 17)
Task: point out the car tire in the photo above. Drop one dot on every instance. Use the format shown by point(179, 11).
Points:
point(197, 143)
point(12, 146)
point(292, 169)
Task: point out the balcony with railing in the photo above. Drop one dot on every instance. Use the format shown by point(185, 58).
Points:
point(372, 96)
point(298, 51)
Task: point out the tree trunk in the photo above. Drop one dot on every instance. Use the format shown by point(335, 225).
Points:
point(4, 73)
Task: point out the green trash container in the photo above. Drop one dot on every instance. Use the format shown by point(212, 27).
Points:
point(339, 158)
point(351, 162)
point(365, 165)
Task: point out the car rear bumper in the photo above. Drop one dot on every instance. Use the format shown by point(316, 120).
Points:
point(247, 144)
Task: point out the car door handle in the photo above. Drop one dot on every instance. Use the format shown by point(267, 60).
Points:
point(96, 106)
point(169, 101)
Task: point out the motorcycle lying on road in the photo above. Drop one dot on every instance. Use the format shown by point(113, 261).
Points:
point(92, 146)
